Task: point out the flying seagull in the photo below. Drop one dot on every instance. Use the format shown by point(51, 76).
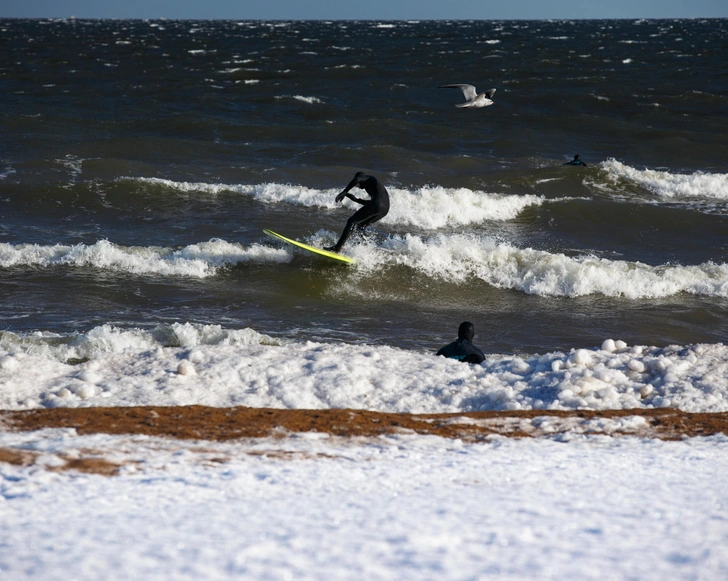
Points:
point(472, 98)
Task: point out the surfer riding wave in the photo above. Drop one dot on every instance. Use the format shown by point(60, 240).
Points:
point(371, 210)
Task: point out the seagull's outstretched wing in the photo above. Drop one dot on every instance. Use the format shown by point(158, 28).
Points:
point(489, 93)
point(469, 91)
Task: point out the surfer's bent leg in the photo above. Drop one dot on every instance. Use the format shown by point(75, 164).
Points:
point(366, 214)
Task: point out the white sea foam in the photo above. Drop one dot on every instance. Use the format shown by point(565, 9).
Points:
point(107, 339)
point(455, 258)
point(435, 207)
point(7, 172)
point(309, 100)
point(461, 259)
point(428, 207)
point(671, 186)
point(197, 260)
point(225, 368)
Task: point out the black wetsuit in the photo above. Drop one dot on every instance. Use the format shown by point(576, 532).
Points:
point(371, 210)
point(576, 161)
point(462, 350)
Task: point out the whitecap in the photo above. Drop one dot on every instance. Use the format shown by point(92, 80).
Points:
point(196, 260)
point(7, 173)
point(428, 207)
point(462, 259)
point(111, 339)
point(433, 207)
point(671, 185)
point(309, 100)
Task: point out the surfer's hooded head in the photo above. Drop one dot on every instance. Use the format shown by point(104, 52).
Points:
point(466, 331)
point(360, 178)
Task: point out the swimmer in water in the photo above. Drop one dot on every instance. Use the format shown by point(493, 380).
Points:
point(462, 348)
point(576, 161)
point(371, 211)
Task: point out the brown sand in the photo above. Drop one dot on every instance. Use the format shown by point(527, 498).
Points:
point(220, 424)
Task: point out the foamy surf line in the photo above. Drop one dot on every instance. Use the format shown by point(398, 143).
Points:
point(455, 258)
point(430, 207)
point(211, 366)
point(671, 186)
point(462, 259)
point(196, 260)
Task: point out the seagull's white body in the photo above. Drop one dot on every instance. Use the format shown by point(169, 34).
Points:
point(472, 97)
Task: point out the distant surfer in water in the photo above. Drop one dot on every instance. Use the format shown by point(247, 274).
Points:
point(371, 210)
point(462, 348)
point(576, 161)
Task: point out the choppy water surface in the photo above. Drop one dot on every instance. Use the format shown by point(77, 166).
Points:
point(141, 160)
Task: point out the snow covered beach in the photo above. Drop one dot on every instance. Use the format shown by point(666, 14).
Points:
point(357, 461)
point(574, 503)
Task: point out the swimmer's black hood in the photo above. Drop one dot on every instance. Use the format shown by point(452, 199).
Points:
point(466, 331)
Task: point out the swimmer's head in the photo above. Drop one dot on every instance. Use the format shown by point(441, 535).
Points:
point(466, 331)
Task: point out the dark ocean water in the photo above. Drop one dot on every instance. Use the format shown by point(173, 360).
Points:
point(141, 160)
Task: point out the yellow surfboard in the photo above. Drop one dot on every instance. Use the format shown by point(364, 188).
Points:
point(319, 251)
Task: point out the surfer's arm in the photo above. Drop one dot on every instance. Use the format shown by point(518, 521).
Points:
point(353, 198)
point(345, 192)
